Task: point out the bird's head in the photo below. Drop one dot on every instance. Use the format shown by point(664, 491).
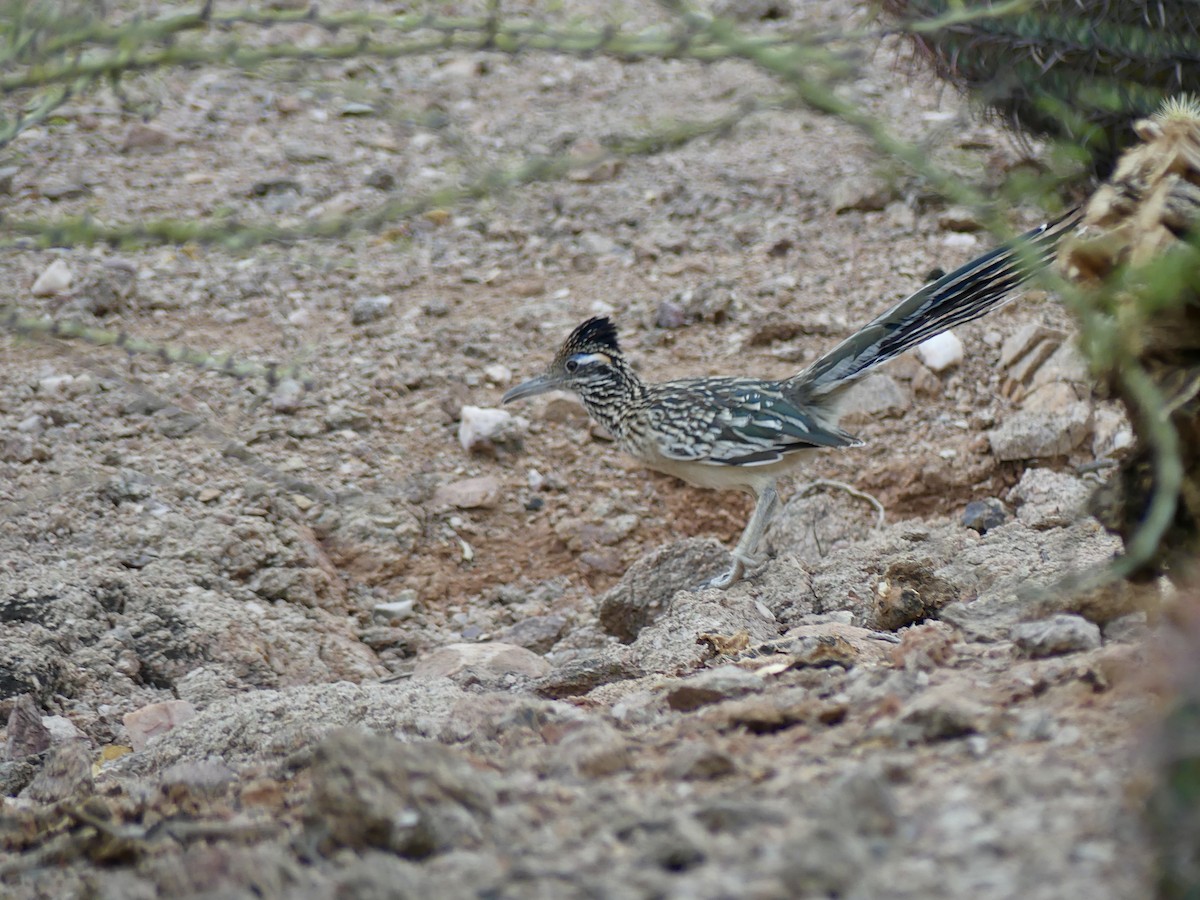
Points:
point(586, 363)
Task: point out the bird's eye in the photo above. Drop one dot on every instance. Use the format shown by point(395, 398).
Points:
point(572, 365)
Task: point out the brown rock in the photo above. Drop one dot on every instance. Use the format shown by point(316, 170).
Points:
point(536, 633)
point(593, 750)
point(941, 714)
point(141, 136)
point(27, 736)
point(66, 774)
point(876, 395)
point(712, 686)
point(910, 592)
point(583, 675)
point(695, 761)
point(155, 719)
point(416, 800)
point(1025, 341)
point(470, 493)
point(864, 193)
point(650, 583)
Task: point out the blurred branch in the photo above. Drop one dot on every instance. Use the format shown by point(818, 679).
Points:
point(444, 34)
point(68, 64)
point(48, 57)
point(76, 231)
point(44, 327)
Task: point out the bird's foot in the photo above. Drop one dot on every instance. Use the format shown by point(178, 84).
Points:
point(734, 575)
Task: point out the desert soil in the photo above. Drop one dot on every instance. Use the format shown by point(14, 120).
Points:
point(389, 680)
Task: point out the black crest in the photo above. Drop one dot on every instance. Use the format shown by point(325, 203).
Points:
point(597, 333)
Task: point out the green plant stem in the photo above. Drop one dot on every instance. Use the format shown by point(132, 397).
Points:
point(75, 231)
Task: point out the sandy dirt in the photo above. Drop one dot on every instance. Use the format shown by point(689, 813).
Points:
point(174, 535)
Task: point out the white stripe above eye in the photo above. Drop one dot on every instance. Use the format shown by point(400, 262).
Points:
point(586, 359)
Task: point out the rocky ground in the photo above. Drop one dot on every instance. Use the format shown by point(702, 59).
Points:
point(363, 643)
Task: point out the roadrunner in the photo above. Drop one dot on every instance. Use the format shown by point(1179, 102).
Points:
point(742, 433)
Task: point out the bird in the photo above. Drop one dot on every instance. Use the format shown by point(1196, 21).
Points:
point(739, 433)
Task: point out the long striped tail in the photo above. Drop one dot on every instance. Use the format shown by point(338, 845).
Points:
point(954, 299)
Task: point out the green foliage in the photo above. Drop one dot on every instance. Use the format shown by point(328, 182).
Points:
point(224, 363)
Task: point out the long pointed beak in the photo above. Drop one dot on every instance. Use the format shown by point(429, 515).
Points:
point(531, 388)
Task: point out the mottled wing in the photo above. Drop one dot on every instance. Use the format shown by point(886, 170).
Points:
point(733, 422)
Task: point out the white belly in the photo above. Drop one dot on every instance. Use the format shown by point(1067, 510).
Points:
point(752, 479)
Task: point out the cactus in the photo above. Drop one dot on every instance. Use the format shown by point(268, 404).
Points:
point(1080, 71)
point(1135, 264)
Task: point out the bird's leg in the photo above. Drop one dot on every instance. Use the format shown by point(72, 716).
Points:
point(743, 553)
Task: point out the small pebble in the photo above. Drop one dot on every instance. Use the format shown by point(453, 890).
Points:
point(370, 309)
point(941, 352)
point(960, 240)
point(498, 373)
point(381, 180)
point(55, 384)
point(1063, 633)
point(394, 611)
point(959, 218)
point(7, 174)
point(470, 493)
point(55, 279)
point(488, 430)
point(300, 152)
point(141, 136)
point(670, 315)
point(287, 396)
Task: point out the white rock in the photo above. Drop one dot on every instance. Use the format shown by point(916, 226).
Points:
point(395, 610)
point(865, 192)
point(62, 729)
point(56, 278)
point(287, 396)
point(958, 240)
point(55, 384)
point(496, 658)
point(1112, 432)
point(498, 373)
point(1054, 397)
point(369, 309)
point(941, 352)
point(482, 429)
